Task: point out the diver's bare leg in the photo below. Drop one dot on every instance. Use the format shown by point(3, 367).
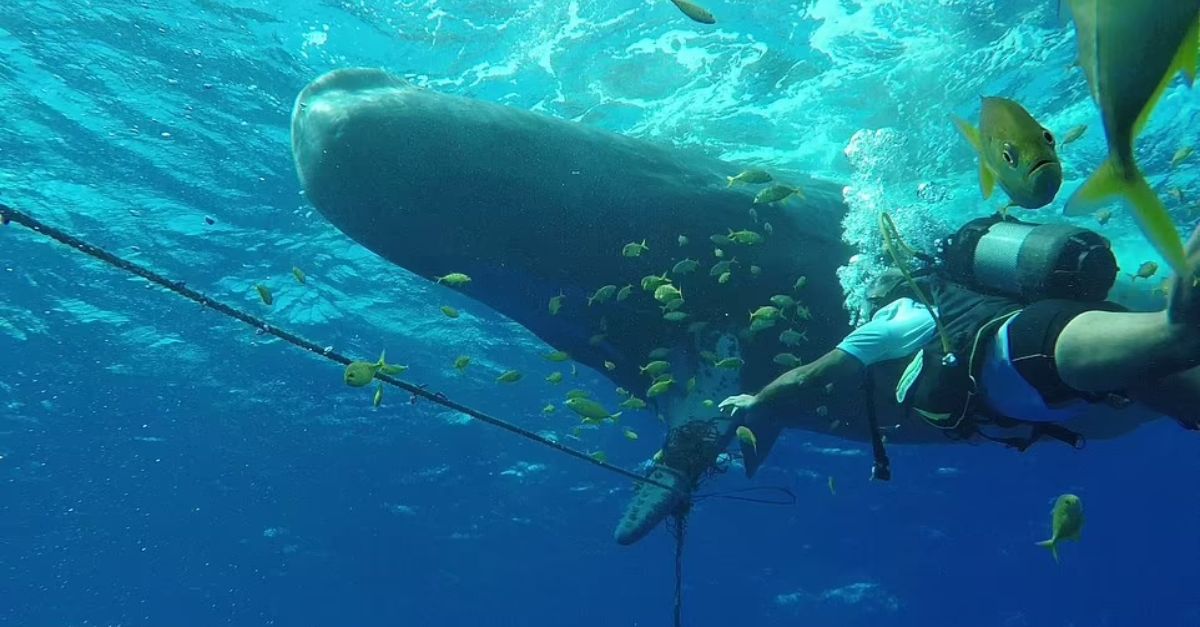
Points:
point(1176, 395)
point(1103, 351)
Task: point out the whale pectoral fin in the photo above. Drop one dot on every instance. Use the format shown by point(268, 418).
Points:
point(652, 503)
point(765, 436)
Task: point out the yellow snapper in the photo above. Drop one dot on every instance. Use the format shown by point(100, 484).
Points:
point(634, 249)
point(696, 12)
point(511, 376)
point(454, 279)
point(1130, 52)
point(1145, 271)
point(265, 294)
point(1014, 151)
point(587, 408)
point(633, 403)
point(752, 176)
point(1066, 522)
point(360, 373)
point(747, 438)
point(1073, 134)
point(556, 303)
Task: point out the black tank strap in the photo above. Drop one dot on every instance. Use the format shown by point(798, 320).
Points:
point(882, 469)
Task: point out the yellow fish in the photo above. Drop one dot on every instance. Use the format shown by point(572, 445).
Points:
point(730, 363)
point(265, 294)
point(752, 176)
point(462, 362)
point(631, 435)
point(651, 282)
point(1130, 52)
point(449, 311)
point(1181, 155)
point(299, 274)
point(454, 279)
point(1066, 522)
point(555, 377)
point(609, 366)
point(549, 409)
point(633, 403)
point(832, 490)
point(695, 11)
point(748, 439)
point(659, 388)
point(634, 249)
point(360, 373)
point(655, 368)
point(602, 295)
point(745, 237)
point(777, 193)
point(1073, 134)
point(557, 356)
point(512, 376)
point(1014, 151)
point(589, 409)
point(1145, 271)
point(556, 303)
point(667, 293)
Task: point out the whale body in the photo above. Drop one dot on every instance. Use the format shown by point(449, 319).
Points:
point(532, 207)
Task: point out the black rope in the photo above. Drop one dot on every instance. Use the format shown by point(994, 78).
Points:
point(729, 495)
point(680, 530)
point(8, 214)
point(882, 469)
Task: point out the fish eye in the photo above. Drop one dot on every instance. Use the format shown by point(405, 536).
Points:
point(1010, 155)
point(1048, 136)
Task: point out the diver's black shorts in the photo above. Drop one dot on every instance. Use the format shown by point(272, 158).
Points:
point(1032, 336)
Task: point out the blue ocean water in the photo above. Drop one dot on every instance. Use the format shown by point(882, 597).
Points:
point(162, 465)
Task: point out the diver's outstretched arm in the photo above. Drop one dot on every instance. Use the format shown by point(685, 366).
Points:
point(833, 366)
point(1103, 351)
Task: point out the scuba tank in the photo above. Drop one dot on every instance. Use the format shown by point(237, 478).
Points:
point(1028, 262)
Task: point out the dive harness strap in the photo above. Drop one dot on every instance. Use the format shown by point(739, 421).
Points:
point(882, 469)
point(972, 416)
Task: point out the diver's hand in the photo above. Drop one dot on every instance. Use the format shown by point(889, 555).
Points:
point(741, 401)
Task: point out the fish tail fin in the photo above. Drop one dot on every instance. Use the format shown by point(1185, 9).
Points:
point(382, 358)
point(615, 417)
point(731, 179)
point(1184, 61)
point(1064, 11)
point(1053, 546)
point(969, 132)
point(987, 180)
point(1148, 210)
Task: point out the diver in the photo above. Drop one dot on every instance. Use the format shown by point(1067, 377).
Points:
point(1006, 328)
